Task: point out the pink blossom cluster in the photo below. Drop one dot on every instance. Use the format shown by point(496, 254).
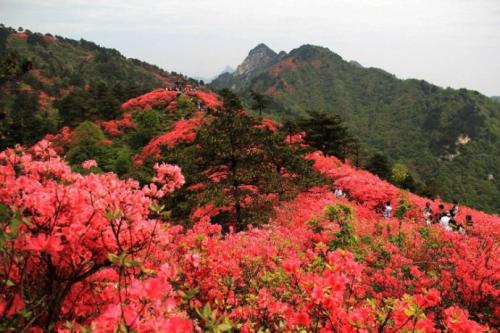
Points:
point(168, 176)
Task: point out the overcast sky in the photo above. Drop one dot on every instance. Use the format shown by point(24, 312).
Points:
point(447, 42)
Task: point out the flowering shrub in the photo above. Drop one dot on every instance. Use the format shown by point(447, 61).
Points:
point(89, 164)
point(61, 140)
point(73, 247)
point(93, 252)
point(169, 177)
point(183, 130)
point(159, 98)
point(209, 99)
point(116, 127)
point(96, 253)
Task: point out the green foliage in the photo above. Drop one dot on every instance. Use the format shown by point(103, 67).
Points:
point(252, 157)
point(249, 162)
point(344, 216)
point(86, 144)
point(379, 165)
point(327, 133)
point(399, 173)
point(345, 238)
point(185, 104)
point(410, 121)
point(315, 225)
point(99, 102)
point(149, 123)
point(87, 133)
point(260, 102)
point(339, 213)
point(403, 207)
point(213, 322)
point(23, 123)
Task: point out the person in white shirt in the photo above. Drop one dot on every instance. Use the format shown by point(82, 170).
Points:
point(339, 193)
point(445, 222)
point(387, 210)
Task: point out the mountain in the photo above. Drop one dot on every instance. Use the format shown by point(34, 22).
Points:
point(496, 98)
point(448, 139)
point(259, 59)
point(39, 70)
point(179, 211)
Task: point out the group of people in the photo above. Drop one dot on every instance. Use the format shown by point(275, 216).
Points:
point(180, 87)
point(183, 89)
point(443, 217)
point(446, 218)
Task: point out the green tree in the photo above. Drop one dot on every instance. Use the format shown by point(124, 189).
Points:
point(74, 108)
point(260, 102)
point(327, 133)
point(242, 166)
point(399, 172)
point(379, 165)
point(105, 104)
point(23, 124)
point(85, 143)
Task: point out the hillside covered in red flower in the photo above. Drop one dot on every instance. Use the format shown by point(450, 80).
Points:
point(147, 223)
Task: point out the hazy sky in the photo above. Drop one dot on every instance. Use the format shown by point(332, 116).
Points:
point(447, 42)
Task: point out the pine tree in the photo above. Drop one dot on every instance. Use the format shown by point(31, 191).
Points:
point(379, 164)
point(242, 166)
point(260, 102)
point(327, 133)
point(23, 124)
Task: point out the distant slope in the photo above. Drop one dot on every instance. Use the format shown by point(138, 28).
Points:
point(449, 138)
point(37, 70)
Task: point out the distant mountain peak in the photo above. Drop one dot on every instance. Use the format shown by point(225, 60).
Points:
point(261, 48)
point(228, 69)
point(259, 56)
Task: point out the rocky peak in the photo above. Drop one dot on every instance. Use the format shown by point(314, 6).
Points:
point(259, 56)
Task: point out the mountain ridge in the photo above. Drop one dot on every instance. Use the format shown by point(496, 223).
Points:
point(411, 121)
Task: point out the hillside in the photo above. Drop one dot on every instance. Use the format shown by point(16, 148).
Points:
point(447, 138)
point(187, 250)
point(37, 71)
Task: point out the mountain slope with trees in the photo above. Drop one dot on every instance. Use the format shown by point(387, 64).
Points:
point(447, 139)
point(49, 81)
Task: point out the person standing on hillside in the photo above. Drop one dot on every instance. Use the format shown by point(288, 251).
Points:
point(427, 213)
point(445, 222)
point(439, 214)
point(387, 210)
point(339, 193)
